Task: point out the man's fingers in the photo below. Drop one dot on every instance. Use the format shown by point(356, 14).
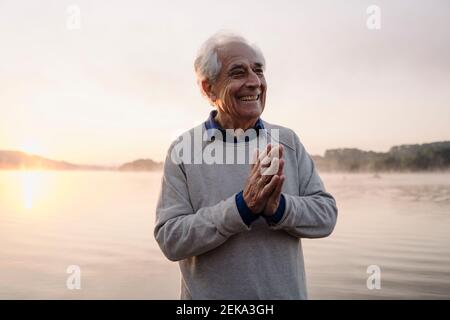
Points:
point(268, 148)
point(255, 158)
point(281, 151)
point(265, 152)
point(254, 171)
point(281, 167)
point(265, 158)
point(277, 189)
point(270, 187)
point(265, 162)
point(268, 163)
point(275, 152)
point(262, 180)
point(272, 169)
point(278, 151)
point(262, 154)
point(280, 184)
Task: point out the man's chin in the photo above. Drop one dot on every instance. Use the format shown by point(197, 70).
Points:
point(252, 115)
point(250, 112)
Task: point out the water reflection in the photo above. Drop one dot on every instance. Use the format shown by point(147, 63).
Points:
point(33, 184)
point(103, 222)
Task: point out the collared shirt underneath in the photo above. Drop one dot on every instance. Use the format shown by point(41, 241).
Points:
point(211, 125)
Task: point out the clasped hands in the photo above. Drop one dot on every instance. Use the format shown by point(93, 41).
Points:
point(263, 186)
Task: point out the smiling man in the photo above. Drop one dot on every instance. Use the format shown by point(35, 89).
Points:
point(235, 227)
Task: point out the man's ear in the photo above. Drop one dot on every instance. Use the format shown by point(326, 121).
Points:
point(208, 89)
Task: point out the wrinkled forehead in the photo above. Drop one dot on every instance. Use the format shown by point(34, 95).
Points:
point(237, 52)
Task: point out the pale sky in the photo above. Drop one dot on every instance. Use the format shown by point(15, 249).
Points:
point(123, 86)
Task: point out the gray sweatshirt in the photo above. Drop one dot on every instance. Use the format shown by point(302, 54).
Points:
point(220, 257)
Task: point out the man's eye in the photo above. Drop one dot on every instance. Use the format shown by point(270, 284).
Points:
point(237, 73)
point(259, 71)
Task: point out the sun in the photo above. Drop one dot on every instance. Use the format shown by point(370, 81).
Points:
point(32, 147)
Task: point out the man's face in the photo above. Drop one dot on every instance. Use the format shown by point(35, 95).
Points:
point(240, 87)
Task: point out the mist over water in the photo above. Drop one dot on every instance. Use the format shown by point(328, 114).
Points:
point(103, 223)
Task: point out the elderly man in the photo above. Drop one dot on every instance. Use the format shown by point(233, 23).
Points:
point(236, 228)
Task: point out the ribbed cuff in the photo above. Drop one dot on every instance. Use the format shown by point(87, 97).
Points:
point(246, 214)
point(278, 215)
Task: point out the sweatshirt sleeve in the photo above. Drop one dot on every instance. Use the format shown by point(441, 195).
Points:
point(313, 214)
point(179, 230)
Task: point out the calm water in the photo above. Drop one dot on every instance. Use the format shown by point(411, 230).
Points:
point(103, 223)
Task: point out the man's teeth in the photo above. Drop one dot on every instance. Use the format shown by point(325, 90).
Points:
point(249, 98)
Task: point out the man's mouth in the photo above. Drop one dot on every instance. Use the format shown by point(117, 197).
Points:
point(249, 98)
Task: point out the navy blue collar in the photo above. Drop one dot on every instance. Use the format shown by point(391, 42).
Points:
point(211, 125)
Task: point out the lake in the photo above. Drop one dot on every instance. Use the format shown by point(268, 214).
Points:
point(102, 223)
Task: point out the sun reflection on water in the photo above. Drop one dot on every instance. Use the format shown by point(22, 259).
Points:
point(33, 183)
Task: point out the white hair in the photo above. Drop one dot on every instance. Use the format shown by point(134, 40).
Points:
point(207, 63)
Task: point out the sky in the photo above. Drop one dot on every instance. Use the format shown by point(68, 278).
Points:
point(120, 85)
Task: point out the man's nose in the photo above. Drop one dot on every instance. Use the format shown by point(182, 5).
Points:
point(253, 80)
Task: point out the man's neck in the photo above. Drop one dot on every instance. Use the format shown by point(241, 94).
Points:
point(226, 122)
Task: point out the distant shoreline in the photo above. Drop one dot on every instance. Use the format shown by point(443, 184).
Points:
point(76, 170)
point(428, 157)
